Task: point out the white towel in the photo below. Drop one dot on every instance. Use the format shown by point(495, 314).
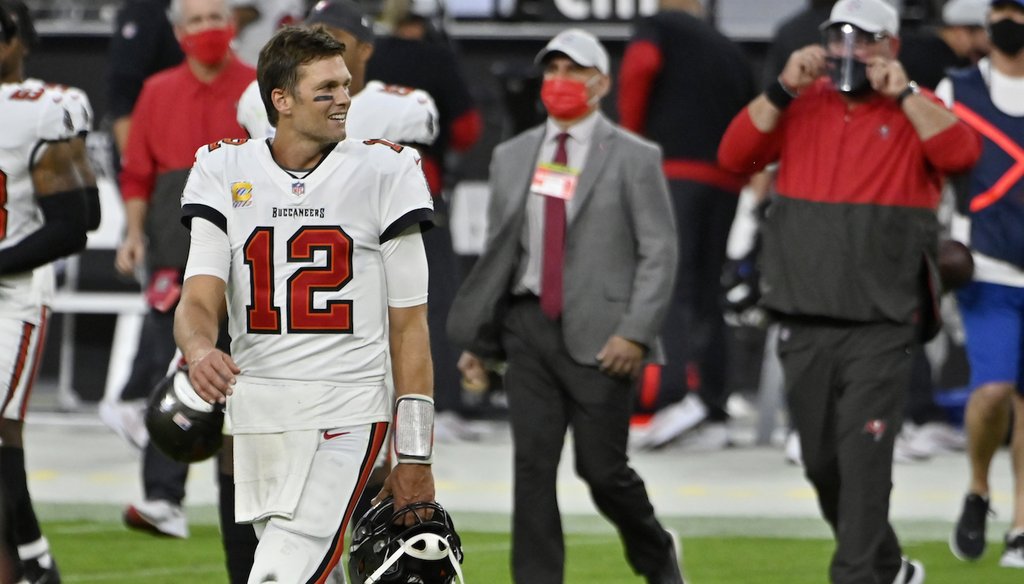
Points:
point(270, 473)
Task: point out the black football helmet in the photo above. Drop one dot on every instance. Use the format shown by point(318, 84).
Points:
point(180, 423)
point(428, 552)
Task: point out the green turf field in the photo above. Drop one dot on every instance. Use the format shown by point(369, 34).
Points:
point(104, 551)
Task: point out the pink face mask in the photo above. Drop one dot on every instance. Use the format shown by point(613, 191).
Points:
point(209, 46)
point(565, 99)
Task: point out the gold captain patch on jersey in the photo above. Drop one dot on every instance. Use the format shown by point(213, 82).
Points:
point(241, 194)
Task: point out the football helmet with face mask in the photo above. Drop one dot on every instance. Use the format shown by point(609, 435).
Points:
point(387, 551)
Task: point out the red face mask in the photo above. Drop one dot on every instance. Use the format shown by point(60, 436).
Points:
point(565, 99)
point(209, 46)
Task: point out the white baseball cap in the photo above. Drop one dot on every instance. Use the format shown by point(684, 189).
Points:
point(965, 12)
point(874, 16)
point(580, 46)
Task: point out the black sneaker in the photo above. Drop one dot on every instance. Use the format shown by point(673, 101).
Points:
point(968, 539)
point(1013, 555)
point(36, 573)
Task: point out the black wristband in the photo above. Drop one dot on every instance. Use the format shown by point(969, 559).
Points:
point(778, 95)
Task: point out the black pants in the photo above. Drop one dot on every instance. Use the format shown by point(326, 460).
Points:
point(847, 388)
point(694, 332)
point(549, 392)
point(162, 477)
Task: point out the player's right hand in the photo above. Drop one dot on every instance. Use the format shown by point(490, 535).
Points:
point(130, 254)
point(803, 67)
point(212, 375)
point(408, 484)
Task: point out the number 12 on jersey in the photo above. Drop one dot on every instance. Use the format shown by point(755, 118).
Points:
point(263, 317)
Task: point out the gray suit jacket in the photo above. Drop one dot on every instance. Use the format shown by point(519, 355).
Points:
point(620, 251)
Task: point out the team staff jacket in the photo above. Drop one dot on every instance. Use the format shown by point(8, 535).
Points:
point(853, 229)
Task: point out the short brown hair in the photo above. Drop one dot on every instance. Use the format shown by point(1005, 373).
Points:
point(280, 59)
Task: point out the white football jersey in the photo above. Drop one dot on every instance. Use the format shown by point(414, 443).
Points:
point(77, 103)
point(29, 117)
point(400, 114)
point(306, 293)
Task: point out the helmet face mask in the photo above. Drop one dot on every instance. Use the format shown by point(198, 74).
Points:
point(382, 550)
point(180, 423)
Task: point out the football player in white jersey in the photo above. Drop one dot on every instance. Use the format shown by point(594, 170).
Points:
point(42, 218)
point(76, 102)
point(312, 246)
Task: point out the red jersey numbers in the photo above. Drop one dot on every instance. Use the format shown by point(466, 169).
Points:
point(3, 205)
point(303, 317)
point(262, 315)
point(27, 94)
point(229, 141)
point(396, 147)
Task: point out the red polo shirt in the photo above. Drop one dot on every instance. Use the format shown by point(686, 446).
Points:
point(175, 115)
point(869, 154)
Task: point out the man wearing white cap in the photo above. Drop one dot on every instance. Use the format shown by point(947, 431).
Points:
point(847, 264)
point(571, 289)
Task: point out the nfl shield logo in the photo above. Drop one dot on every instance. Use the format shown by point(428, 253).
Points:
point(298, 188)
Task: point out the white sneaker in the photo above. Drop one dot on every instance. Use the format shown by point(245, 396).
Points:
point(127, 419)
point(157, 516)
point(794, 454)
point(1013, 555)
point(938, 437)
point(911, 572)
point(708, 437)
point(672, 422)
point(905, 452)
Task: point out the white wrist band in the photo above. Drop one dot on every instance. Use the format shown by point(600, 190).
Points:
point(414, 429)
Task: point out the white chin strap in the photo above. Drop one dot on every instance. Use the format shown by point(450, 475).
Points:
point(432, 551)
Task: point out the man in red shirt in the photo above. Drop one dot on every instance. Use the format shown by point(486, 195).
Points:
point(849, 248)
point(179, 110)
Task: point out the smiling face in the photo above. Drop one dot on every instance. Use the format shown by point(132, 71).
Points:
point(317, 108)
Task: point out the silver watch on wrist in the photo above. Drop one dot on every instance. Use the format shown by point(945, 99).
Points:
point(912, 89)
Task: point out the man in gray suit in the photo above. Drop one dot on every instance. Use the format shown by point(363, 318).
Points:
point(571, 290)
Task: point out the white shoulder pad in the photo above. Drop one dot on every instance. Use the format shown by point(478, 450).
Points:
point(205, 186)
point(75, 101)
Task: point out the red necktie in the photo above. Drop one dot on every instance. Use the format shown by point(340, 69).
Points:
point(554, 244)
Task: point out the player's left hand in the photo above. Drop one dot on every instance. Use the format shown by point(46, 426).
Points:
point(408, 483)
point(620, 357)
point(887, 76)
